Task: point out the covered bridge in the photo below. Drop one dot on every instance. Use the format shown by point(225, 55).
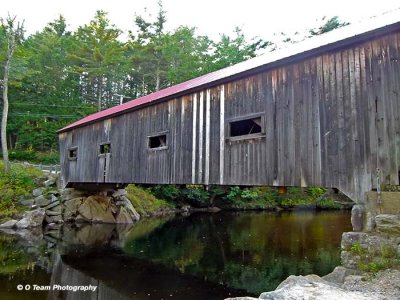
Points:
point(324, 112)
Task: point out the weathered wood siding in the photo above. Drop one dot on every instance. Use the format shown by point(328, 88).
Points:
point(331, 120)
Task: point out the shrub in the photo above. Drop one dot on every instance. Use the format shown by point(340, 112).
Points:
point(167, 192)
point(233, 193)
point(144, 201)
point(316, 191)
point(23, 155)
point(197, 196)
point(46, 158)
point(328, 203)
point(250, 194)
point(20, 180)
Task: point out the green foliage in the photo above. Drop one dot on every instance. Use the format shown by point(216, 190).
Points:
point(249, 194)
point(230, 51)
point(357, 249)
point(197, 196)
point(144, 201)
point(45, 158)
point(315, 191)
point(167, 192)
point(387, 257)
point(19, 181)
point(329, 25)
point(60, 76)
point(234, 193)
point(388, 251)
point(328, 203)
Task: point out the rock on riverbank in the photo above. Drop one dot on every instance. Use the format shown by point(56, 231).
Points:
point(384, 285)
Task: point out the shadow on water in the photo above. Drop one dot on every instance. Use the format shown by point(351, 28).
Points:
point(202, 256)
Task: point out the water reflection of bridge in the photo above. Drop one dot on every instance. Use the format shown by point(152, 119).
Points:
point(202, 256)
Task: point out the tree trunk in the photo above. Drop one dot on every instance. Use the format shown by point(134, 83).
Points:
point(99, 82)
point(13, 35)
point(157, 78)
point(5, 108)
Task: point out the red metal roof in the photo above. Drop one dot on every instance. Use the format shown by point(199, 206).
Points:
point(328, 39)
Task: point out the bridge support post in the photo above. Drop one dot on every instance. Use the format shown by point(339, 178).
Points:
point(363, 214)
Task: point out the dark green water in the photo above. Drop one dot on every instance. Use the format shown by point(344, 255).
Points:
point(202, 256)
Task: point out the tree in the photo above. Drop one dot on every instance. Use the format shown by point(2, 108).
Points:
point(98, 59)
point(12, 33)
point(47, 97)
point(186, 54)
point(329, 25)
point(230, 51)
point(146, 54)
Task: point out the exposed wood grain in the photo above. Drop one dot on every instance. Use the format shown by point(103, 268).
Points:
point(328, 120)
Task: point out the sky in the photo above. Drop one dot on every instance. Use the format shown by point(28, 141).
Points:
point(210, 17)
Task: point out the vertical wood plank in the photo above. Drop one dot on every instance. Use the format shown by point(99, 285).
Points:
point(221, 134)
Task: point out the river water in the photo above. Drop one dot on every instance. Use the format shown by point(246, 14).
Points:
point(201, 256)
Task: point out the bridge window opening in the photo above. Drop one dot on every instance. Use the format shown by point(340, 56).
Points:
point(73, 153)
point(105, 148)
point(158, 142)
point(245, 127)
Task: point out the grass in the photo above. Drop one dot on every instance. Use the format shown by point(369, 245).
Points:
point(17, 183)
point(144, 201)
point(386, 258)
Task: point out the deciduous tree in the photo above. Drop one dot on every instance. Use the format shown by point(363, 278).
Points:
point(12, 33)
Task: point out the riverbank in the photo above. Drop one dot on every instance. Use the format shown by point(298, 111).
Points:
point(159, 200)
point(24, 188)
point(363, 286)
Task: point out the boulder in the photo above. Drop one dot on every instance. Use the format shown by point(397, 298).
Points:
point(27, 202)
point(53, 198)
point(54, 212)
point(32, 218)
point(53, 204)
point(310, 287)
point(70, 193)
point(49, 182)
point(9, 224)
point(124, 217)
point(96, 209)
point(119, 193)
point(357, 217)
point(349, 260)
point(53, 219)
point(130, 209)
point(71, 209)
point(41, 201)
point(338, 275)
point(388, 224)
point(37, 192)
point(350, 238)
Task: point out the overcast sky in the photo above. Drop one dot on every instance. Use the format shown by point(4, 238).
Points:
point(211, 17)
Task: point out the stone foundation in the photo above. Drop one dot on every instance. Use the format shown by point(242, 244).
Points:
point(73, 205)
point(363, 214)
